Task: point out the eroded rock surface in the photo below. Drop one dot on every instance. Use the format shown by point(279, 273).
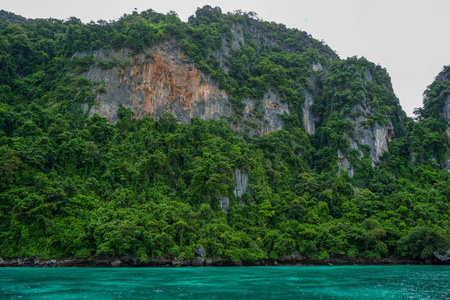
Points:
point(164, 80)
point(224, 202)
point(269, 107)
point(308, 118)
point(241, 182)
point(376, 136)
point(447, 117)
point(160, 80)
point(344, 164)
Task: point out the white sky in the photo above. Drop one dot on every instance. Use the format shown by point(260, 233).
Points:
point(407, 37)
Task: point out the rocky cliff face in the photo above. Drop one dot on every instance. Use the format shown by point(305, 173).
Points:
point(241, 182)
point(366, 132)
point(160, 80)
point(447, 114)
point(309, 121)
point(447, 118)
point(263, 113)
point(163, 79)
point(344, 164)
point(375, 136)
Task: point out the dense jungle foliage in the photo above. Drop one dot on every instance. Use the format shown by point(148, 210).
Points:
point(77, 186)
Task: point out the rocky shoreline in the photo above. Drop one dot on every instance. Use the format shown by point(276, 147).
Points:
point(290, 260)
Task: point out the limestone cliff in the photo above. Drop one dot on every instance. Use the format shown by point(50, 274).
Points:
point(309, 121)
point(437, 105)
point(366, 131)
point(263, 113)
point(241, 182)
point(447, 114)
point(376, 136)
point(447, 118)
point(160, 80)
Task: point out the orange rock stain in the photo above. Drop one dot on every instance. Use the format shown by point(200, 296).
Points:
point(161, 82)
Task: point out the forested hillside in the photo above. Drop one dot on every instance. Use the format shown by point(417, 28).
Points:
point(345, 174)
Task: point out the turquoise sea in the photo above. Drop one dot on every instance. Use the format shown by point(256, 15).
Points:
point(327, 282)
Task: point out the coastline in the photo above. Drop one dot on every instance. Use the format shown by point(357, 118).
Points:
point(290, 260)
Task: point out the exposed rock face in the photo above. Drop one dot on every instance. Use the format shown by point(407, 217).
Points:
point(238, 36)
point(241, 181)
point(376, 136)
point(308, 118)
point(317, 67)
point(447, 117)
point(164, 80)
point(237, 39)
point(116, 263)
point(344, 164)
point(269, 107)
point(442, 257)
point(200, 252)
point(447, 114)
point(160, 80)
point(368, 75)
point(224, 202)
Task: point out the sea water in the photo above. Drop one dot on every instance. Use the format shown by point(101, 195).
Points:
point(326, 282)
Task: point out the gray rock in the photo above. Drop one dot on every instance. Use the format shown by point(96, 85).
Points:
point(241, 182)
point(269, 107)
point(446, 115)
point(368, 75)
point(238, 36)
point(116, 263)
point(181, 263)
point(209, 262)
point(198, 262)
point(224, 202)
point(308, 118)
point(442, 257)
point(344, 164)
point(200, 252)
point(376, 136)
point(50, 263)
point(317, 67)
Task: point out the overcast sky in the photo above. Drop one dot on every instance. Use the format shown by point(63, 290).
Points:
point(408, 38)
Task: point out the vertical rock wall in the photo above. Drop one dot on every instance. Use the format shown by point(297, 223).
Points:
point(447, 114)
point(241, 182)
point(344, 164)
point(160, 80)
point(308, 118)
point(447, 118)
point(269, 107)
point(376, 136)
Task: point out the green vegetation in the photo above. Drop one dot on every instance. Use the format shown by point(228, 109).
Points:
point(77, 186)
